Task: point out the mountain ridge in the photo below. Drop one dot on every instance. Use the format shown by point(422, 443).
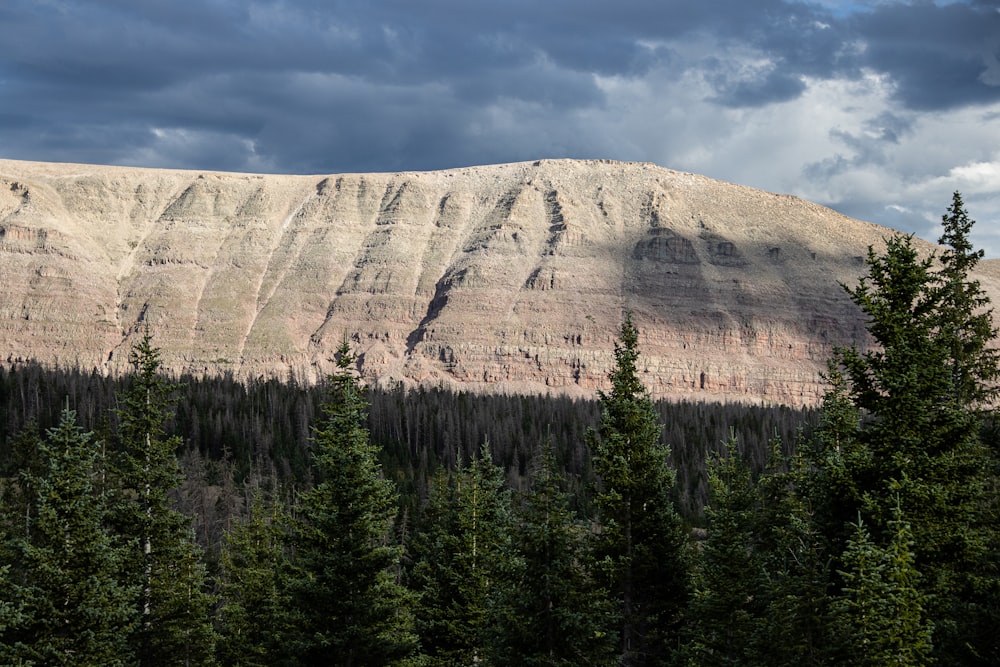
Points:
point(510, 277)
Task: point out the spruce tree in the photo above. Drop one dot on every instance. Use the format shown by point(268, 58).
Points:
point(642, 542)
point(914, 442)
point(25, 464)
point(727, 589)
point(965, 314)
point(551, 611)
point(65, 602)
point(173, 604)
point(880, 611)
point(344, 583)
point(457, 557)
point(257, 619)
point(797, 627)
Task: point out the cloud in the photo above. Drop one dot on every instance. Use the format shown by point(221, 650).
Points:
point(940, 55)
point(879, 108)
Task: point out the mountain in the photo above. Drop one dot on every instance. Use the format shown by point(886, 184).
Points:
point(502, 278)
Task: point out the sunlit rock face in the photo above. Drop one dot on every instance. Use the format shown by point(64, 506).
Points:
point(504, 278)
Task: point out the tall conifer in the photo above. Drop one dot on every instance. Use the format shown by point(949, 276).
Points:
point(353, 609)
point(173, 604)
point(919, 395)
point(551, 611)
point(257, 616)
point(881, 610)
point(728, 590)
point(66, 602)
point(457, 558)
point(642, 543)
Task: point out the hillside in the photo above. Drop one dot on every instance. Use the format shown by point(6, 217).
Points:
point(504, 278)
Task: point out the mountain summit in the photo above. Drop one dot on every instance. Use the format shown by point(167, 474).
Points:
point(508, 277)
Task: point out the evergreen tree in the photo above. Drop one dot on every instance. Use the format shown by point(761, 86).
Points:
point(797, 628)
point(980, 616)
point(966, 321)
point(642, 543)
point(173, 603)
point(65, 602)
point(913, 440)
point(551, 609)
point(257, 618)
point(11, 616)
point(457, 556)
point(727, 583)
point(814, 523)
point(17, 495)
point(344, 584)
point(882, 620)
point(833, 463)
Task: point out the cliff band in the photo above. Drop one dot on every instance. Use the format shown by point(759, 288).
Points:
point(506, 278)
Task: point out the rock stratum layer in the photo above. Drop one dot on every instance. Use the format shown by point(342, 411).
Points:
point(509, 278)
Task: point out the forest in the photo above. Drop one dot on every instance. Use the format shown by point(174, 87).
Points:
point(151, 520)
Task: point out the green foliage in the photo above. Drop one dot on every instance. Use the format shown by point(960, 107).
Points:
point(344, 581)
point(834, 465)
point(727, 588)
point(457, 556)
point(642, 544)
point(966, 319)
point(881, 619)
point(257, 617)
point(259, 429)
point(550, 609)
point(920, 440)
point(901, 429)
point(164, 563)
point(65, 604)
point(17, 493)
point(875, 544)
point(796, 627)
point(182, 631)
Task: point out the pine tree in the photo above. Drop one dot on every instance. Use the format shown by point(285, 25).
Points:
point(551, 610)
point(173, 602)
point(643, 543)
point(797, 627)
point(965, 314)
point(66, 603)
point(17, 495)
point(446, 625)
point(920, 439)
point(344, 583)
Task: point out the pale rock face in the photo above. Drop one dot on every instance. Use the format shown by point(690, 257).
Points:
point(506, 278)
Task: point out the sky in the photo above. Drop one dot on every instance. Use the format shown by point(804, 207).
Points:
point(879, 109)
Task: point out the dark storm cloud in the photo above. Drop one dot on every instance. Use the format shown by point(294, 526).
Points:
point(866, 148)
point(756, 89)
point(220, 65)
point(939, 56)
point(348, 85)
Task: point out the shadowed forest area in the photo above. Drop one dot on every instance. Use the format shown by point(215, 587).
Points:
point(165, 521)
point(241, 435)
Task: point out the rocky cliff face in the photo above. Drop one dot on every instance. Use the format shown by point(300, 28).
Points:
point(501, 278)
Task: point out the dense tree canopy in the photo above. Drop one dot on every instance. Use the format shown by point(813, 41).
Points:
point(429, 527)
point(172, 602)
point(920, 393)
